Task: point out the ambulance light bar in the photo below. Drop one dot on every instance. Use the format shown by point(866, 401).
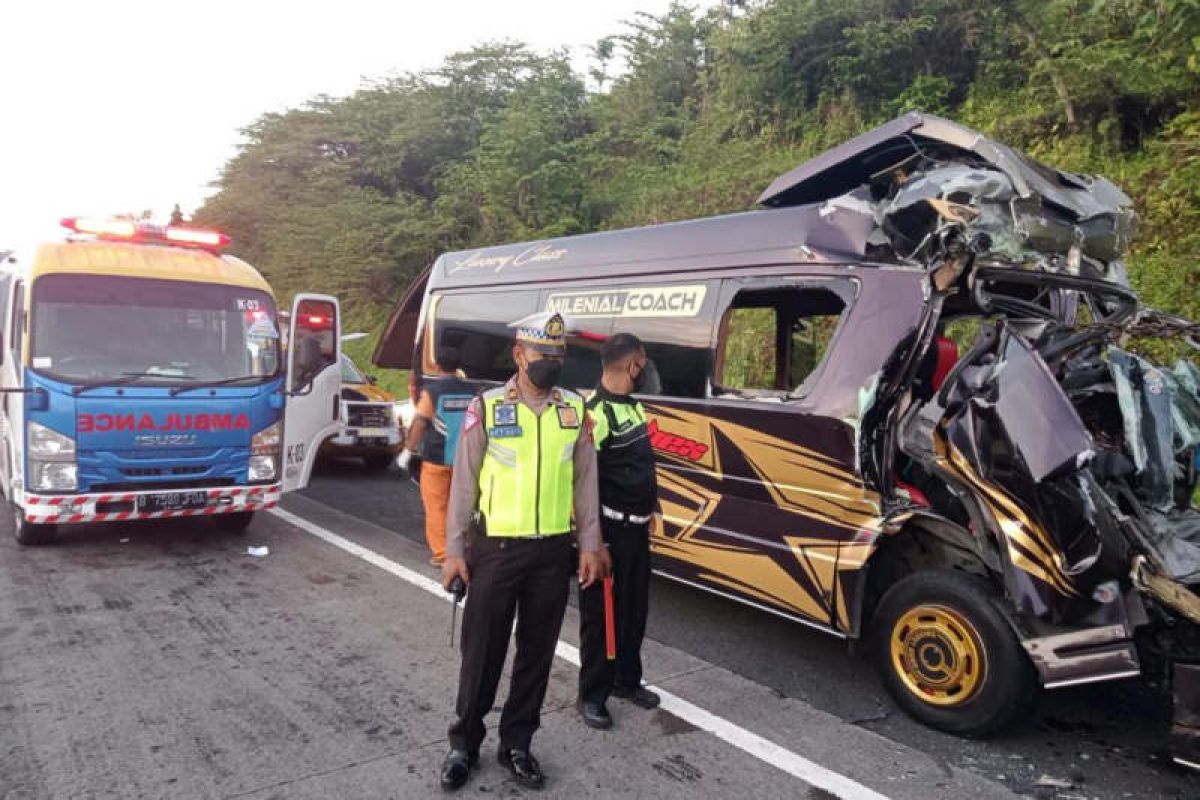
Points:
point(123, 230)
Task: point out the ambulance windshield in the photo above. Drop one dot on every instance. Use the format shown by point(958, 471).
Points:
point(95, 329)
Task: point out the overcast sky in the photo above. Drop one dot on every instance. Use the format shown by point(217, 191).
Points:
point(124, 105)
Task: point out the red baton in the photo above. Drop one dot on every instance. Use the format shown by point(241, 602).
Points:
point(610, 625)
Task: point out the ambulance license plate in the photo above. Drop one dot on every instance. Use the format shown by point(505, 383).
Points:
point(172, 501)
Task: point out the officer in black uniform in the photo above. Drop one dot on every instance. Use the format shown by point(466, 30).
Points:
point(628, 495)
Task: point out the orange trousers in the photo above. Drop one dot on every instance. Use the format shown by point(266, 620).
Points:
point(435, 494)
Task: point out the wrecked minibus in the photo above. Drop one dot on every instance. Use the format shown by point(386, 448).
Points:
point(895, 403)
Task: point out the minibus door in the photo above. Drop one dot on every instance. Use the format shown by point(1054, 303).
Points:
point(314, 384)
point(788, 487)
point(397, 346)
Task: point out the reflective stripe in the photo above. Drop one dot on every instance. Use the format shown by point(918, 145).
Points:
point(48, 509)
point(504, 455)
point(621, 516)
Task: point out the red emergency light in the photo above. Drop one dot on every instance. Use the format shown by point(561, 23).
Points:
point(196, 236)
point(123, 230)
point(107, 228)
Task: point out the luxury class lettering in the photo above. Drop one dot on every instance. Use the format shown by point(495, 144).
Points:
point(541, 252)
point(533, 255)
point(103, 423)
point(654, 301)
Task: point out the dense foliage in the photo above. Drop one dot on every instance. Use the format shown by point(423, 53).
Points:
point(692, 113)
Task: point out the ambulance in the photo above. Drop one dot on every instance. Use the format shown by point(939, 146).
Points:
point(142, 377)
point(895, 403)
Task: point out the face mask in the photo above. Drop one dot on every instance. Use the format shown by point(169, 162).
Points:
point(543, 373)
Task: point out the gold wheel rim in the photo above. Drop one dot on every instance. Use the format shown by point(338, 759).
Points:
point(938, 655)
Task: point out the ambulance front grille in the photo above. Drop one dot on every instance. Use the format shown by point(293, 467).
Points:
point(152, 472)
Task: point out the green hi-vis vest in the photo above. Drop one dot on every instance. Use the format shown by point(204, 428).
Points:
point(526, 483)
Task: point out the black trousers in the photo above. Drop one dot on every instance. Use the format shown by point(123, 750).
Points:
point(528, 579)
point(629, 547)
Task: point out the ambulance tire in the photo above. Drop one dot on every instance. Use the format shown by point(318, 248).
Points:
point(29, 534)
point(378, 462)
point(235, 522)
point(934, 613)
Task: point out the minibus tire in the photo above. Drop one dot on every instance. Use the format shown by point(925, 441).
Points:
point(935, 618)
point(233, 522)
point(30, 534)
point(378, 462)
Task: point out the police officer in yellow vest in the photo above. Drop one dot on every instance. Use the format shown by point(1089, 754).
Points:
point(524, 477)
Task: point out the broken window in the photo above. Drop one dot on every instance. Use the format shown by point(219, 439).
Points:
point(773, 340)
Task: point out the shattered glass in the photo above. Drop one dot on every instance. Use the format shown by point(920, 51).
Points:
point(1145, 400)
point(1176, 538)
point(1184, 382)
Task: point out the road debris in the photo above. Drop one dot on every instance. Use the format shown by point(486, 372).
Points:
point(1050, 782)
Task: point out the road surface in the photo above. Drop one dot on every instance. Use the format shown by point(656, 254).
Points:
point(161, 660)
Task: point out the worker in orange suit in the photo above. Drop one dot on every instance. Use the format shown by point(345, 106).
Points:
point(433, 438)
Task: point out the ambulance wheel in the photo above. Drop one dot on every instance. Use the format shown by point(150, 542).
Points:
point(235, 522)
point(29, 533)
point(378, 462)
point(947, 655)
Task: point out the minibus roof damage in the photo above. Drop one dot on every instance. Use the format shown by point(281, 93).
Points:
point(908, 192)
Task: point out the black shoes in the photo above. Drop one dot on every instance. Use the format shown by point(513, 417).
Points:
point(641, 696)
point(595, 715)
point(456, 768)
point(523, 766)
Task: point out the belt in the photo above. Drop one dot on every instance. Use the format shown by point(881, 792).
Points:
point(621, 516)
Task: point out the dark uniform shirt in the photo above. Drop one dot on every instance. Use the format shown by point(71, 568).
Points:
point(628, 482)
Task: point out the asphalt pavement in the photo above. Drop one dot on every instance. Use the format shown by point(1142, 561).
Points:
point(1105, 741)
point(163, 660)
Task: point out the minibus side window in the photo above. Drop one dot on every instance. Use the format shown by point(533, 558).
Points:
point(679, 349)
point(774, 339)
point(749, 356)
point(476, 325)
point(582, 368)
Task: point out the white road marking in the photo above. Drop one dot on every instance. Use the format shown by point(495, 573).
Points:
point(763, 749)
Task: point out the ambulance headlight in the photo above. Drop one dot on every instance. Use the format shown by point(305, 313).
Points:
point(48, 444)
point(263, 468)
point(53, 476)
point(265, 447)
